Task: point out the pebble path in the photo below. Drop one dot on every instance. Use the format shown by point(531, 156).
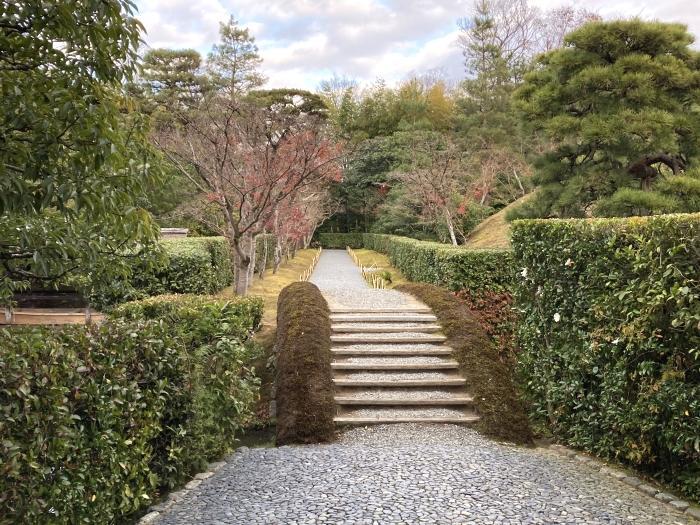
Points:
point(433, 474)
point(408, 473)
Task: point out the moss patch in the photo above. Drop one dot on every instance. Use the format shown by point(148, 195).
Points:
point(502, 412)
point(305, 404)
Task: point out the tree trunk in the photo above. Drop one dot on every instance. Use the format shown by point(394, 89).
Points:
point(242, 252)
point(253, 259)
point(294, 249)
point(277, 255)
point(520, 184)
point(450, 227)
point(263, 261)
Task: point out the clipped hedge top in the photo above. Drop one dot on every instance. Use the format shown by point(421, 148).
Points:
point(618, 222)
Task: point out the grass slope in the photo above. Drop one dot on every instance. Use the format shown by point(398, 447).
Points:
point(494, 231)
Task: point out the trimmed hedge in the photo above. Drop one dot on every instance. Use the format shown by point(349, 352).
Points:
point(503, 415)
point(192, 265)
point(454, 268)
point(305, 405)
point(97, 420)
point(610, 337)
point(335, 241)
point(220, 389)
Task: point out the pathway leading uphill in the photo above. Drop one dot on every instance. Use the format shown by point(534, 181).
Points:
point(406, 473)
point(390, 363)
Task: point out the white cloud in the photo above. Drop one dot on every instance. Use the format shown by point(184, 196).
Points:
point(304, 41)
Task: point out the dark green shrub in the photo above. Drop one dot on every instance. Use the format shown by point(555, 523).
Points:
point(305, 405)
point(219, 389)
point(340, 240)
point(489, 380)
point(81, 408)
point(610, 337)
point(96, 421)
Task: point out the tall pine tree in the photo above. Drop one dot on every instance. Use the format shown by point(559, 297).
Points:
point(621, 105)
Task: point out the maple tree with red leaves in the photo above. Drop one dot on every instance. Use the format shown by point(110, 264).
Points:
point(256, 165)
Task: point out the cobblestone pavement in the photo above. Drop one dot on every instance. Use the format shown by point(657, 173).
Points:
point(441, 474)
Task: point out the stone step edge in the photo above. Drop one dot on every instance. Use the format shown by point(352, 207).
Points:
point(399, 383)
point(399, 401)
point(417, 310)
point(338, 329)
point(448, 365)
point(395, 352)
point(343, 420)
point(366, 318)
point(354, 339)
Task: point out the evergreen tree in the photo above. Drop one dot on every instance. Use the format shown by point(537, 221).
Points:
point(621, 105)
point(172, 80)
point(233, 63)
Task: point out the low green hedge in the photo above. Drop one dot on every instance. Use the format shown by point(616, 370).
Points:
point(610, 337)
point(220, 388)
point(305, 404)
point(96, 421)
point(192, 265)
point(334, 241)
point(454, 268)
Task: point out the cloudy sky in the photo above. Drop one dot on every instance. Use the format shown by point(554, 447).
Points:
point(305, 41)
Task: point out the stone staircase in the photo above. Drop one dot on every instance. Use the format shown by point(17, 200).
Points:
point(391, 365)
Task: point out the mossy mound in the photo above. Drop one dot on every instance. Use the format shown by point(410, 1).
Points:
point(305, 404)
point(496, 399)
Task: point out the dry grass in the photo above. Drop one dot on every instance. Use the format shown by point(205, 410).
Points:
point(271, 285)
point(494, 231)
point(380, 261)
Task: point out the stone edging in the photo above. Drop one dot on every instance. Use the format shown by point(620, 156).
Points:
point(155, 511)
point(677, 504)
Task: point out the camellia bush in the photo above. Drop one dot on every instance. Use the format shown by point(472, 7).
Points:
point(98, 421)
point(609, 337)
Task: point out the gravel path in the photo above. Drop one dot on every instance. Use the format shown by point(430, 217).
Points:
point(342, 285)
point(410, 474)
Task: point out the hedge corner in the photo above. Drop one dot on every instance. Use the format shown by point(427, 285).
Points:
point(305, 405)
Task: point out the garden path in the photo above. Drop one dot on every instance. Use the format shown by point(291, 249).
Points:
point(408, 473)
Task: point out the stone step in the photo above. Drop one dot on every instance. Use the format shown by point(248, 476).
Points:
point(399, 383)
point(386, 318)
point(397, 338)
point(397, 310)
point(395, 400)
point(350, 420)
point(447, 365)
point(390, 350)
point(383, 329)
point(390, 413)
